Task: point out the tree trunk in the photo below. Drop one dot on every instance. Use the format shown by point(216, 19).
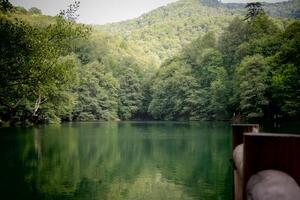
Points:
point(37, 105)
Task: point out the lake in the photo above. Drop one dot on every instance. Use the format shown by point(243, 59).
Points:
point(117, 160)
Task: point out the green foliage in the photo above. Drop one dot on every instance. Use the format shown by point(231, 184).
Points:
point(171, 90)
point(20, 9)
point(233, 36)
point(283, 9)
point(251, 79)
point(206, 61)
point(286, 89)
point(164, 32)
point(261, 25)
point(35, 10)
point(232, 74)
point(127, 65)
point(37, 69)
point(5, 5)
point(286, 76)
point(130, 94)
point(254, 9)
point(113, 52)
point(97, 94)
point(194, 86)
point(53, 69)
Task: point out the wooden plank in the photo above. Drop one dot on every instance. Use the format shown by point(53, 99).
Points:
point(271, 151)
point(237, 186)
point(237, 138)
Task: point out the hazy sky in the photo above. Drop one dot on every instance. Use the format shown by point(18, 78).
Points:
point(102, 11)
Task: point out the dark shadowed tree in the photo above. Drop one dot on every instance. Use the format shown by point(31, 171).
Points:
point(5, 5)
point(254, 9)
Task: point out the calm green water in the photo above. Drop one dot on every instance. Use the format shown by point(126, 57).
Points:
point(127, 160)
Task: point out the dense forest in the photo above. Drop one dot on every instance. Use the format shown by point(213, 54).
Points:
point(163, 32)
point(189, 60)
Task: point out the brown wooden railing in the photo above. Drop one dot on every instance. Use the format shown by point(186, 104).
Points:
point(238, 131)
point(264, 151)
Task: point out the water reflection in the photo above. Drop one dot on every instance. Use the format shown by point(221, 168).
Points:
point(116, 161)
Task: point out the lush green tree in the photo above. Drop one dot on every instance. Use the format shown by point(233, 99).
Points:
point(97, 94)
point(31, 70)
point(130, 94)
point(123, 61)
point(260, 26)
point(146, 99)
point(233, 36)
point(35, 66)
point(261, 38)
point(286, 74)
point(210, 101)
point(252, 85)
point(171, 92)
point(254, 9)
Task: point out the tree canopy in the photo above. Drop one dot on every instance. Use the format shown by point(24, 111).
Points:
point(214, 66)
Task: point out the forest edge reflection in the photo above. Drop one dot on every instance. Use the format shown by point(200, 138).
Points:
point(124, 160)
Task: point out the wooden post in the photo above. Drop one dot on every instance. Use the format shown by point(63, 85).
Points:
point(238, 131)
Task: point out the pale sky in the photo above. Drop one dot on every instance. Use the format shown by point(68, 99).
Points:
point(103, 11)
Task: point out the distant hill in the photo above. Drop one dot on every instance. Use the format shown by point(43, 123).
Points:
point(287, 9)
point(164, 31)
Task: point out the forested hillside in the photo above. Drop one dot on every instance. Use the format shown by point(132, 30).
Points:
point(217, 63)
point(163, 32)
point(250, 72)
point(286, 9)
point(54, 69)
